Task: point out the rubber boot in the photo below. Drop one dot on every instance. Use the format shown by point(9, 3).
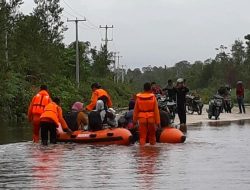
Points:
point(183, 128)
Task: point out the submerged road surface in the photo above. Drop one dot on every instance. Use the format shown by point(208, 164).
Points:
point(213, 157)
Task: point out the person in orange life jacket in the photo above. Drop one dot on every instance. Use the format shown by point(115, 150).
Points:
point(99, 94)
point(181, 92)
point(36, 108)
point(147, 113)
point(50, 119)
point(76, 119)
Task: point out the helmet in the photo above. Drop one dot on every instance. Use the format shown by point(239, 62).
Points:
point(180, 80)
point(239, 82)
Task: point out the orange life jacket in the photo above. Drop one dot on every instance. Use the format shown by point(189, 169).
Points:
point(100, 92)
point(146, 105)
point(40, 101)
point(51, 112)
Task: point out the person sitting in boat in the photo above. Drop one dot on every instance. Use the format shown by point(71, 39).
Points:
point(50, 120)
point(99, 94)
point(77, 118)
point(126, 120)
point(100, 116)
point(129, 115)
point(164, 122)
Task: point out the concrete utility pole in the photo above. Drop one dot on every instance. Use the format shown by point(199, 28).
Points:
point(77, 50)
point(2, 2)
point(123, 73)
point(118, 68)
point(106, 35)
point(114, 66)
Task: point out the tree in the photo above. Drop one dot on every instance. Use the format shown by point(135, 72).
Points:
point(101, 62)
point(238, 52)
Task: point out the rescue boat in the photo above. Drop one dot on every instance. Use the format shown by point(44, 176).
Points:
point(119, 136)
point(172, 135)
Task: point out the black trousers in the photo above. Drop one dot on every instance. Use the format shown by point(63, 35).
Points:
point(46, 128)
point(182, 113)
point(240, 101)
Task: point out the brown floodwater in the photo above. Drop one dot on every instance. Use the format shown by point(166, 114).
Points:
point(213, 157)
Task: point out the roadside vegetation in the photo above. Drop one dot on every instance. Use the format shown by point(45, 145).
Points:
point(32, 53)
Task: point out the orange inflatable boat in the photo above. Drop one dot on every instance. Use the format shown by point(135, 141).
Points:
point(172, 135)
point(119, 136)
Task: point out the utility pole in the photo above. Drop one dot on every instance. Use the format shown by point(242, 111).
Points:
point(3, 2)
point(123, 73)
point(106, 35)
point(77, 50)
point(118, 68)
point(114, 66)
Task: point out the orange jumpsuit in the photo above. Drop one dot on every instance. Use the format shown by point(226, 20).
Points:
point(147, 113)
point(36, 108)
point(95, 96)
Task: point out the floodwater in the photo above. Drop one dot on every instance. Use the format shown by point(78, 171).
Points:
point(213, 157)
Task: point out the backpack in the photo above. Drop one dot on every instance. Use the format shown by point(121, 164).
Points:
point(95, 121)
point(71, 120)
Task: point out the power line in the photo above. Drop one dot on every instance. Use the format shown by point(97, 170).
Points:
point(72, 8)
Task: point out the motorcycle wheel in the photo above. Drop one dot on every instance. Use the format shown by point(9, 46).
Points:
point(172, 117)
point(216, 114)
point(189, 109)
point(200, 111)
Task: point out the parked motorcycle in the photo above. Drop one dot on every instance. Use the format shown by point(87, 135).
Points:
point(227, 104)
point(193, 104)
point(215, 106)
point(168, 106)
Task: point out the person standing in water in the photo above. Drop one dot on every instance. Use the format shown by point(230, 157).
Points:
point(51, 118)
point(181, 92)
point(36, 108)
point(146, 112)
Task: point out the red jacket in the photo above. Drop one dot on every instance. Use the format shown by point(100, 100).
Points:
point(240, 91)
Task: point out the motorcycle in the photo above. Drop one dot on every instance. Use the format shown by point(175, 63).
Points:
point(193, 104)
point(215, 107)
point(227, 104)
point(168, 106)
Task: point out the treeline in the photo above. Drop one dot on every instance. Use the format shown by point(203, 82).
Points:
point(32, 53)
point(228, 66)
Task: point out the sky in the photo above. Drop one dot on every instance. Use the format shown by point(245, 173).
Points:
point(157, 32)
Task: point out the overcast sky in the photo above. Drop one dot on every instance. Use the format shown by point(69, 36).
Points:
point(158, 32)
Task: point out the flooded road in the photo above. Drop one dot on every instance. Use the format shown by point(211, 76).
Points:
point(213, 157)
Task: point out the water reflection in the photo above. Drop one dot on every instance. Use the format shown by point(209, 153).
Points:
point(146, 159)
point(211, 158)
point(46, 164)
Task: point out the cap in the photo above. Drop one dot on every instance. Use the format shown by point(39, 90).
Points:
point(180, 80)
